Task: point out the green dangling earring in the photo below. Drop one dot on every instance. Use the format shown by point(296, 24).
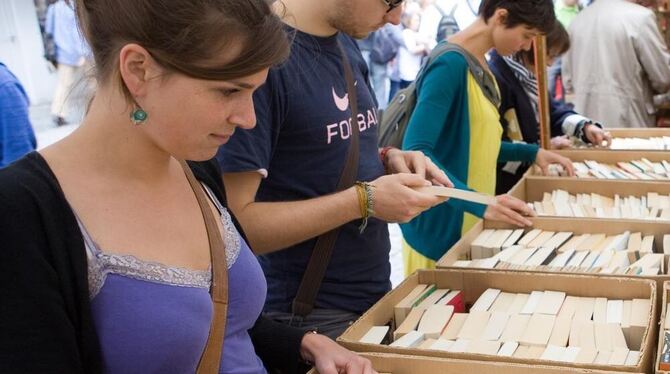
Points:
point(138, 116)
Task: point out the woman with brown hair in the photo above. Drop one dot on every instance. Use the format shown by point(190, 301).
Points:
point(109, 246)
point(519, 113)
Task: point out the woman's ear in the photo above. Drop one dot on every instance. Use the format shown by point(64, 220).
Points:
point(137, 67)
point(500, 17)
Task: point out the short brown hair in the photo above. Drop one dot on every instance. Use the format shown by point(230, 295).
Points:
point(537, 14)
point(184, 36)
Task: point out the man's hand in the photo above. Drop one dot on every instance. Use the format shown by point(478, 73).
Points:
point(395, 200)
point(545, 158)
point(415, 162)
point(597, 136)
point(330, 358)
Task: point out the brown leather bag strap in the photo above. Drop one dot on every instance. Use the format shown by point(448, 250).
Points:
point(323, 249)
point(211, 356)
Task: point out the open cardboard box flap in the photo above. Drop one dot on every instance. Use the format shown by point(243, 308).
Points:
point(403, 364)
point(664, 308)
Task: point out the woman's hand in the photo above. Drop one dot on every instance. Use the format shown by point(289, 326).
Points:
point(511, 210)
point(545, 158)
point(330, 358)
point(560, 142)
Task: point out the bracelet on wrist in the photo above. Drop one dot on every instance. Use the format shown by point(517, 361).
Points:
point(384, 152)
point(366, 202)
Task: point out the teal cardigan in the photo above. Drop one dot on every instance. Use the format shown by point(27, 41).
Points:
point(440, 128)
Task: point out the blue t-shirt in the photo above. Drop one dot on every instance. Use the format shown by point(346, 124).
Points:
point(300, 142)
point(16, 133)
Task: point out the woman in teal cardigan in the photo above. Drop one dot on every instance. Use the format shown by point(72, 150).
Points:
point(457, 125)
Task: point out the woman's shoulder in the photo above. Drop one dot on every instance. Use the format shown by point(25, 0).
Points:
point(29, 178)
point(450, 64)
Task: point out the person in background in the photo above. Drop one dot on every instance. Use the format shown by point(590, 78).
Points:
point(412, 51)
point(430, 19)
point(107, 261)
point(282, 176)
point(566, 11)
point(617, 61)
point(385, 45)
point(16, 133)
point(456, 123)
point(71, 51)
point(519, 108)
point(394, 65)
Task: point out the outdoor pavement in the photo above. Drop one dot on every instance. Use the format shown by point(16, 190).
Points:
point(46, 130)
point(48, 133)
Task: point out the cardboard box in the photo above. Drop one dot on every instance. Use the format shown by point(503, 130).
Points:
point(461, 250)
point(664, 310)
point(473, 283)
point(401, 364)
point(532, 189)
point(649, 132)
point(607, 157)
point(642, 132)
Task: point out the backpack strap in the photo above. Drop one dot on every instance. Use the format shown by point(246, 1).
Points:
point(485, 80)
point(453, 10)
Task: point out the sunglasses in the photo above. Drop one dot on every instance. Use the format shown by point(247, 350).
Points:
point(392, 4)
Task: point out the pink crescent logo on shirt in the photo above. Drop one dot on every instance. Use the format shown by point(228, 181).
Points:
point(342, 103)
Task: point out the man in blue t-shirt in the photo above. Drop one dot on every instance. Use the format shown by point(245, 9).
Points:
point(281, 177)
point(16, 133)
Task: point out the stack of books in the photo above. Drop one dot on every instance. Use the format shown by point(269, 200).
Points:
point(660, 143)
point(652, 207)
point(546, 325)
point(537, 250)
point(625, 170)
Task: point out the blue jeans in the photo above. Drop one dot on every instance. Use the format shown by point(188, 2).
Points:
point(380, 83)
point(329, 322)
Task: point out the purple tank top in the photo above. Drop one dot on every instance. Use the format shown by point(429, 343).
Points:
point(152, 318)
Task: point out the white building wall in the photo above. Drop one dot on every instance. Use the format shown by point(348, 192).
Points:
point(21, 49)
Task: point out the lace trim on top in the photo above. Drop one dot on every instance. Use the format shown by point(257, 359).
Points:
point(100, 264)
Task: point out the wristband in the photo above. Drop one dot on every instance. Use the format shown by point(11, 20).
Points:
point(384, 152)
point(366, 202)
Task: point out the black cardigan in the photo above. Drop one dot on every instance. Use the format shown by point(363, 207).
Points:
point(514, 97)
point(45, 318)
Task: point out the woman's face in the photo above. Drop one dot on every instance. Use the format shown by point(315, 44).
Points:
point(508, 41)
point(191, 118)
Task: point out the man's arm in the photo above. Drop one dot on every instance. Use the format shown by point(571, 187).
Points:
point(16, 132)
point(653, 54)
point(272, 226)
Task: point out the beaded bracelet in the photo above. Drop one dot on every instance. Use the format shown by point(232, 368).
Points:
point(366, 202)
